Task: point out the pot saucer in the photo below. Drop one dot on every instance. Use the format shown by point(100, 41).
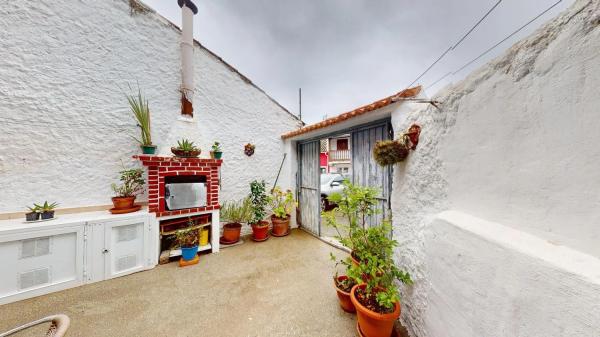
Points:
point(394, 333)
point(135, 208)
point(225, 242)
point(261, 240)
point(282, 235)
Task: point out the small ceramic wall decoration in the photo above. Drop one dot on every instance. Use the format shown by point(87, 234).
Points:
point(249, 149)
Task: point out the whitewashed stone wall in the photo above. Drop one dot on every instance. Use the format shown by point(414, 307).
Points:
point(515, 144)
point(64, 119)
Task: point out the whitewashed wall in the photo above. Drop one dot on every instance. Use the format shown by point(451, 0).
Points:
point(64, 119)
point(515, 144)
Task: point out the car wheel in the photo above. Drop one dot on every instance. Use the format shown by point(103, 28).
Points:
point(324, 203)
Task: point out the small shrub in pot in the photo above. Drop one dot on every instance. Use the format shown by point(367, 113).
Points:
point(33, 214)
point(46, 210)
point(259, 200)
point(281, 204)
point(132, 184)
point(186, 149)
point(187, 239)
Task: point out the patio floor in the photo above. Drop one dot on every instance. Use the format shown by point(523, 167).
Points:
point(281, 287)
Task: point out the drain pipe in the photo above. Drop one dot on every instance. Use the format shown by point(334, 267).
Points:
point(188, 9)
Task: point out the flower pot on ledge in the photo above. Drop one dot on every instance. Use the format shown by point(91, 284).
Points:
point(148, 149)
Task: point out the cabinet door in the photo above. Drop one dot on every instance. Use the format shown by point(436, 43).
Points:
point(124, 247)
point(38, 262)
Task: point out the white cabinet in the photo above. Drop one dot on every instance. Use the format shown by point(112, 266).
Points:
point(66, 252)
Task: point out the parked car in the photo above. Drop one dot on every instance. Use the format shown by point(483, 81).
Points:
point(330, 183)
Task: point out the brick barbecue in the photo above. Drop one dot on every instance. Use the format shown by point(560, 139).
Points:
point(161, 167)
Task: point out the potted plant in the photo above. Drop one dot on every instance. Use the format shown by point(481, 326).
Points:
point(216, 152)
point(235, 213)
point(281, 205)
point(46, 210)
point(141, 112)
point(186, 149)
point(355, 206)
point(187, 239)
point(343, 285)
point(132, 184)
point(390, 152)
point(376, 296)
point(249, 149)
point(33, 214)
point(259, 200)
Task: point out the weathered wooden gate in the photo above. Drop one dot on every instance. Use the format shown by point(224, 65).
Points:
point(309, 183)
point(366, 172)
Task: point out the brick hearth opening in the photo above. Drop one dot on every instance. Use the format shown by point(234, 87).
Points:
point(161, 167)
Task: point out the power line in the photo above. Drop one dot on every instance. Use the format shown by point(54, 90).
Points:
point(506, 38)
point(494, 46)
point(457, 43)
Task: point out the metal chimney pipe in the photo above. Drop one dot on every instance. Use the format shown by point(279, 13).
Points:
point(188, 9)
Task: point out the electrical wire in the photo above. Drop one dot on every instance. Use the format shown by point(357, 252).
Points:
point(456, 44)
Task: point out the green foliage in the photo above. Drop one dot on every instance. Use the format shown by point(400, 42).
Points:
point(239, 211)
point(45, 207)
point(390, 152)
point(216, 147)
point(187, 237)
point(186, 145)
point(281, 202)
point(373, 246)
point(259, 200)
point(132, 183)
point(141, 111)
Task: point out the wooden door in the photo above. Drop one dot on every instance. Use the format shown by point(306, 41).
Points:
point(309, 184)
point(366, 172)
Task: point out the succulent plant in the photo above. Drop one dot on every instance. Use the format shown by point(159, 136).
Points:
point(186, 145)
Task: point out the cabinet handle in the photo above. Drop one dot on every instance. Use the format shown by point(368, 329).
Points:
point(104, 251)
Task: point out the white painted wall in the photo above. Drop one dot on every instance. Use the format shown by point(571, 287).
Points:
point(516, 144)
point(64, 119)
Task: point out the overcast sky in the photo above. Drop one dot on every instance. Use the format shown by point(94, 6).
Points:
point(347, 53)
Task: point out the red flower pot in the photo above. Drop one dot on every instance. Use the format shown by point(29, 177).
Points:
point(123, 202)
point(231, 232)
point(343, 296)
point(260, 231)
point(371, 323)
point(281, 226)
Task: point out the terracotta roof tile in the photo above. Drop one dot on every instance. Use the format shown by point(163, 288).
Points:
point(412, 92)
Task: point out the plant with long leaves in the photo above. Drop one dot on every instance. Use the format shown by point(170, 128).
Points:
point(141, 111)
point(237, 211)
point(186, 145)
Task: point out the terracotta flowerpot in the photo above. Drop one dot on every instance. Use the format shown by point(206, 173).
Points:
point(231, 232)
point(260, 231)
point(343, 296)
point(281, 226)
point(371, 323)
point(123, 202)
point(185, 154)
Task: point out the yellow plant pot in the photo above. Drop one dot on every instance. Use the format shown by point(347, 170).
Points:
point(204, 237)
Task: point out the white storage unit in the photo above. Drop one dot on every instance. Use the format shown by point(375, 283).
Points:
point(39, 258)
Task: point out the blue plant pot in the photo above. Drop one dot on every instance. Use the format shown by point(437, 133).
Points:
point(189, 253)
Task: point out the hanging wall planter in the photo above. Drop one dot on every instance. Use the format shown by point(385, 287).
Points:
point(390, 152)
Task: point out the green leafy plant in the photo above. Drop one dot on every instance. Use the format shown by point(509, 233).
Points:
point(186, 145)
point(45, 207)
point(377, 270)
point(141, 111)
point(371, 245)
point(216, 147)
point(132, 183)
point(187, 237)
point(259, 199)
point(281, 202)
point(237, 211)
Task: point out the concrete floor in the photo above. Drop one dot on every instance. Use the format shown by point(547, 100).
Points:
point(281, 287)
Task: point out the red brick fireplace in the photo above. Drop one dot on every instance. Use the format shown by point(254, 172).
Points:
point(161, 169)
